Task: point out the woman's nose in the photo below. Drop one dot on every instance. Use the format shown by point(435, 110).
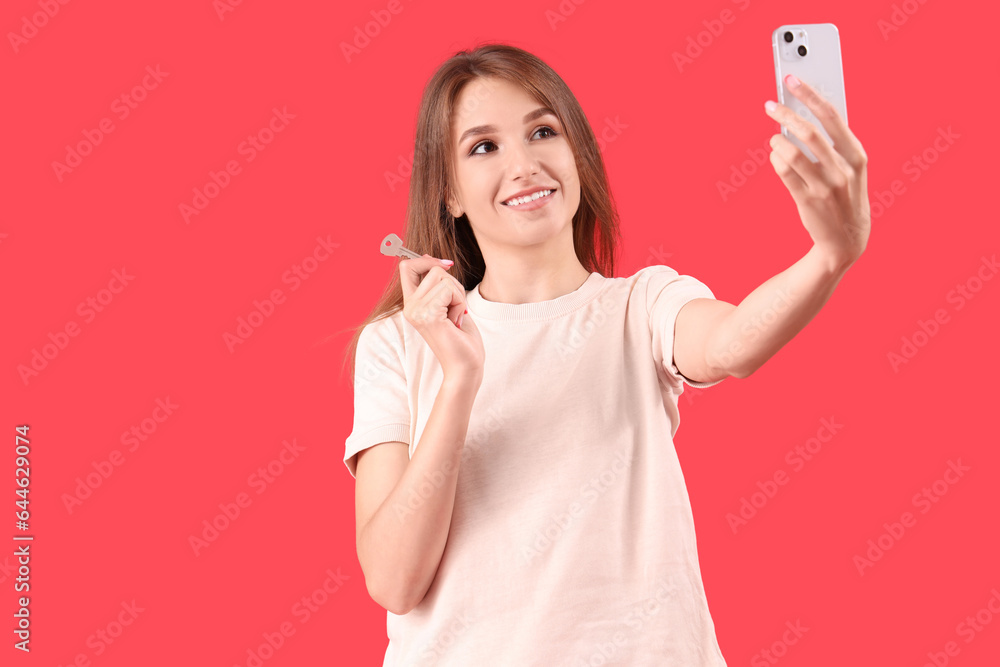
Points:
point(521, 161)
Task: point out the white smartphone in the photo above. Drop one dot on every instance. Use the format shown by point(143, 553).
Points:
point(810, 51)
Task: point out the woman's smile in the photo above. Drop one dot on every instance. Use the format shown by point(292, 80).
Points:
point(534, 204)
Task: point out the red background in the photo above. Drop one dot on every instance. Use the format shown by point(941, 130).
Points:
point(324, 175)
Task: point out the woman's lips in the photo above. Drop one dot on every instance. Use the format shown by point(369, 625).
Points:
point(532, 205)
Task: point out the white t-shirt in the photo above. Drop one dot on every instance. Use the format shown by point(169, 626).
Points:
point(572, 541)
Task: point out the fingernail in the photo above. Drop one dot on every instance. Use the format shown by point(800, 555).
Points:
point(792, 81)
point(447, 261)
point(466, 310)
point(770, 106)
point(460, 318)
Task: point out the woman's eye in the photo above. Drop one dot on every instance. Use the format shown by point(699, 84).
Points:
point(475, 149)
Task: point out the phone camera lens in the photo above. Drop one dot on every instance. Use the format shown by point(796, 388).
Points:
point(802, 50)
point(789, 36)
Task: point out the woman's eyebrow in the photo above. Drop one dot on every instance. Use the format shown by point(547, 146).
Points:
point(487, 129)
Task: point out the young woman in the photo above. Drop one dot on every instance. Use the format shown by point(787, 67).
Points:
point(519, 499)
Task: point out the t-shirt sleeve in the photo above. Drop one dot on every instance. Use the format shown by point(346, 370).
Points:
point(666, 292)
point(381, 405)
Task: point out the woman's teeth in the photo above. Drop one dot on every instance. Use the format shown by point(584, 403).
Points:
point(525, 200)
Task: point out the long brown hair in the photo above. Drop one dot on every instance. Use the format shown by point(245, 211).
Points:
point(432, 230)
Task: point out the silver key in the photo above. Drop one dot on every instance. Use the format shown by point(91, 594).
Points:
point(392, 246)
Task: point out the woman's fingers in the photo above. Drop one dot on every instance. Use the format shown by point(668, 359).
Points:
point(428, 287)
point(412, 270)
point(438, 292)
point(826, 113)
point(786, 158)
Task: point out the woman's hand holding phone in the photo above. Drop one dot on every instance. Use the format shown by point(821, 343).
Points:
point(816, 155)
point(831, 194)
point(434, 304)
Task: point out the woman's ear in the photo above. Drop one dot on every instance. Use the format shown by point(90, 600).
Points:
point(454, 208)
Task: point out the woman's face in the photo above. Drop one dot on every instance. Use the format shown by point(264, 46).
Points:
point(514, 145)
